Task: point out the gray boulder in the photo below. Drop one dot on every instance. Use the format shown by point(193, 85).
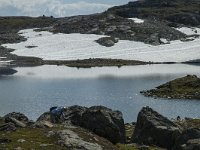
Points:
point(18, 116)
point(19, 119)
point(107, 41)
point(154, 129)
point(189, 140)
point(16, 122)
point(100, 120)
point(105, 122)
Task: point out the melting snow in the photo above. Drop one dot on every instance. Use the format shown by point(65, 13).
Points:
point(189, 31)
point(137, 20)
point(83, 46)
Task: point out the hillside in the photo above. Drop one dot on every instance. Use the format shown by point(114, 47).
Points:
point(172, 12)
point(139, 32)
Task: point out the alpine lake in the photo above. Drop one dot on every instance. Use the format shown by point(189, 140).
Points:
point(33, 90)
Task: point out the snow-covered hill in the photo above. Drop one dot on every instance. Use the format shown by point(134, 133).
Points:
point(60, 46)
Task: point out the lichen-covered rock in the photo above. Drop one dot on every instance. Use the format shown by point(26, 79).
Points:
point(71, 140)
point(154, 129)
point(77, 138)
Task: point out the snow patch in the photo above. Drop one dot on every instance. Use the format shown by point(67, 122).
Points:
point(137, 20)
point(83, 46)
point(165, 41)
point(189, 31)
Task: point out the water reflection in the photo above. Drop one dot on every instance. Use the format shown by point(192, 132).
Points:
point(6, 71)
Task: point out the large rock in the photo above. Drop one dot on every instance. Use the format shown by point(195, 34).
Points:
point(19, 116)
point(19, 119)
point(154, 129)
point(189, 140)
point(105, 122)
point(100, 120)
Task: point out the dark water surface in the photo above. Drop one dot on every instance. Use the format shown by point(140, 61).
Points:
point(34, 90)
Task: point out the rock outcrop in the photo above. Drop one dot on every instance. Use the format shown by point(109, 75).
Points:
point(100, 120)
point(18, 119)
point(154, 129)
point(181, 88)
point(150, 32)
point(174, 13)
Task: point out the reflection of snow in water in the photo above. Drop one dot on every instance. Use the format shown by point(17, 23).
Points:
point(4, 62)
point(63, 72)
point(83, 46)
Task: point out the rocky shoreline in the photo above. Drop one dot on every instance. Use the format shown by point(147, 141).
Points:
point(187, 87)
point(99, 128)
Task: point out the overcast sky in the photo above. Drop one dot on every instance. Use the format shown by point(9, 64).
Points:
point(56, 8)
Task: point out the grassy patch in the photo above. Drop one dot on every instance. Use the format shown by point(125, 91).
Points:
point(34, 138)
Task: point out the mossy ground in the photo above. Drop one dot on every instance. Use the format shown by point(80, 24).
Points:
point(34, 139)
point(38, 139)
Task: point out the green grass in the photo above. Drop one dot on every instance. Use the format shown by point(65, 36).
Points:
point(34, 138)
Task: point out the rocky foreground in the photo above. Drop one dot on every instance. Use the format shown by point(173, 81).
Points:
point(187, 87)
point(99, 128)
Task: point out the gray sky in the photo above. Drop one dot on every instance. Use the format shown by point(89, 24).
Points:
point(56, 8)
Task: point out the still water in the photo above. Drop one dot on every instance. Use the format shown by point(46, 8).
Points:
point(33, 90)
